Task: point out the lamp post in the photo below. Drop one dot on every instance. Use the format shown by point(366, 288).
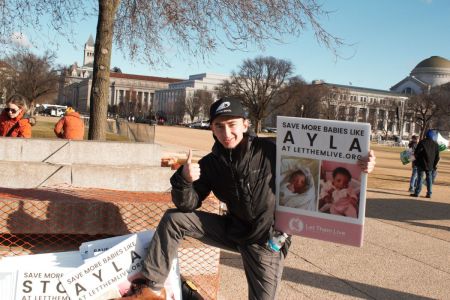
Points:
point(301, 110)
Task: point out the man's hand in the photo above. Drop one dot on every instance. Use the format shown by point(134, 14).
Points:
point(367, 164)
point(191, 171)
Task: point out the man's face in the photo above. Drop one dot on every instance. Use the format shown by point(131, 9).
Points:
point(340, 181)
point(229, 130)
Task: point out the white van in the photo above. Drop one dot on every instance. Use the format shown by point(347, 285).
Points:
point(51, 110)
point(57, 112)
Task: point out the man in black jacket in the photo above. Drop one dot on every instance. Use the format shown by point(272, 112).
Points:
point(427, 158)
point(240, 171)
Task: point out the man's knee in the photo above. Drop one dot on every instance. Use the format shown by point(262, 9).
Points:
point(173, 217)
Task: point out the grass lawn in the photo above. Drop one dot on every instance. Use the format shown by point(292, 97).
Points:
point(44, 130)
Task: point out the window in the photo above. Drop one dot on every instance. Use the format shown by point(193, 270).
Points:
point(408, 91)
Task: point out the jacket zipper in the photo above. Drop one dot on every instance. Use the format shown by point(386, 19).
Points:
point(236, 184)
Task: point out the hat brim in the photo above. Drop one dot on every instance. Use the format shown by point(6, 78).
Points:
point(225, 114)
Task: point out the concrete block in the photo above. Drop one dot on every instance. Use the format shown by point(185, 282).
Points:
point(115, 153)
point(127, 178)
point(43, 150)
point(59, 151)
point(33, 175)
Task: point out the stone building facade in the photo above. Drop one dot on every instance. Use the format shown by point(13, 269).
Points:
point(382, 109)
point(166, 99)
point(430, 73)
point(128, 94)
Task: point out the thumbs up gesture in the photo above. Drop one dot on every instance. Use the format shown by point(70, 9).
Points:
point(191, 171)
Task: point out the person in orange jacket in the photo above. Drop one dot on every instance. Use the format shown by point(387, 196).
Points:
point(71, 126)
point(12, 121)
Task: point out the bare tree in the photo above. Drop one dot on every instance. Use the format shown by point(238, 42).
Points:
point(305, 98)
point(193, 106)
point(116, 70)
point(196, 27)
point(330, 104)
point(206, 99)
point(35, 77)
point(442, 96)
point(179, 109)
point(424, 109)
point(258, 83)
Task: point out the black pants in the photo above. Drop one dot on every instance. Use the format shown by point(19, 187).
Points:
point(263, 267)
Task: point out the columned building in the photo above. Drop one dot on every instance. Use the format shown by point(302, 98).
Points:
point(166, 99)
point(382, 109)
point(6, 75)
point(129, 94)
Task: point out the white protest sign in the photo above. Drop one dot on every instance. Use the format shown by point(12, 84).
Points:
point(321, 190)
point(37, 276)
point(108, 273)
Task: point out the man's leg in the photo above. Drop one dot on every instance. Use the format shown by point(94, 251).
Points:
point(263, 269)
point(173, 227)
point(419, 181)
point(413, 180)
point(429, 179)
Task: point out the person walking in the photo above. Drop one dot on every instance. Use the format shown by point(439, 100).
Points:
point(12, 120)
point(70, 126)
point(427, 158)
point(240, 171)
point(413, 180)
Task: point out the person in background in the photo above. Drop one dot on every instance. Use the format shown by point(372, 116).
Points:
point(240, 171)
point(70, 126)
point(427, 158)
point(12, 120)
point(413, 180)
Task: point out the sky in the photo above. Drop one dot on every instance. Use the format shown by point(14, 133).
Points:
point(385, 40)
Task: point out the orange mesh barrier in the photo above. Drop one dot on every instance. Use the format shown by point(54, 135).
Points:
point(53, 220)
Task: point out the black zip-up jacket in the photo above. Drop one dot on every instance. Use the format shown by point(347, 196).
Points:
point(244, 179)
point(427, 154)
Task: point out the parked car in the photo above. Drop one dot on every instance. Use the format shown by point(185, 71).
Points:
point(269, 130)
point(199, 125)
point(145, 121)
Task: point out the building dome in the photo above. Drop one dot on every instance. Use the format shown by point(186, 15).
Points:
point(434, 62)
point(434, 71)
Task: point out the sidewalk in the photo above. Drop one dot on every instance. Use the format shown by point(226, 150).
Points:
point(406, 255)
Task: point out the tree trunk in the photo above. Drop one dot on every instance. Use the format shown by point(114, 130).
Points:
point(102, 62)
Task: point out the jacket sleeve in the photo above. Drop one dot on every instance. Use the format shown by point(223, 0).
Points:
point(24, 129)
point(418, 150)
point(437, 158)
point(188, 196)
point(58, 128)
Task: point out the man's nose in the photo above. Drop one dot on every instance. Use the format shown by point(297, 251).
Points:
point(227, 130)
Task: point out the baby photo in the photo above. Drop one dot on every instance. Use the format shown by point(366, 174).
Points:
point(297, 186)
point(339, 189)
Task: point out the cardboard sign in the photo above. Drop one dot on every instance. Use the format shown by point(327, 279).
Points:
point(37, 276)
point(108, 273)
point(321, 190)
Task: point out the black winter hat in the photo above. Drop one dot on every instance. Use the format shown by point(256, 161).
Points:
point(226, 106)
